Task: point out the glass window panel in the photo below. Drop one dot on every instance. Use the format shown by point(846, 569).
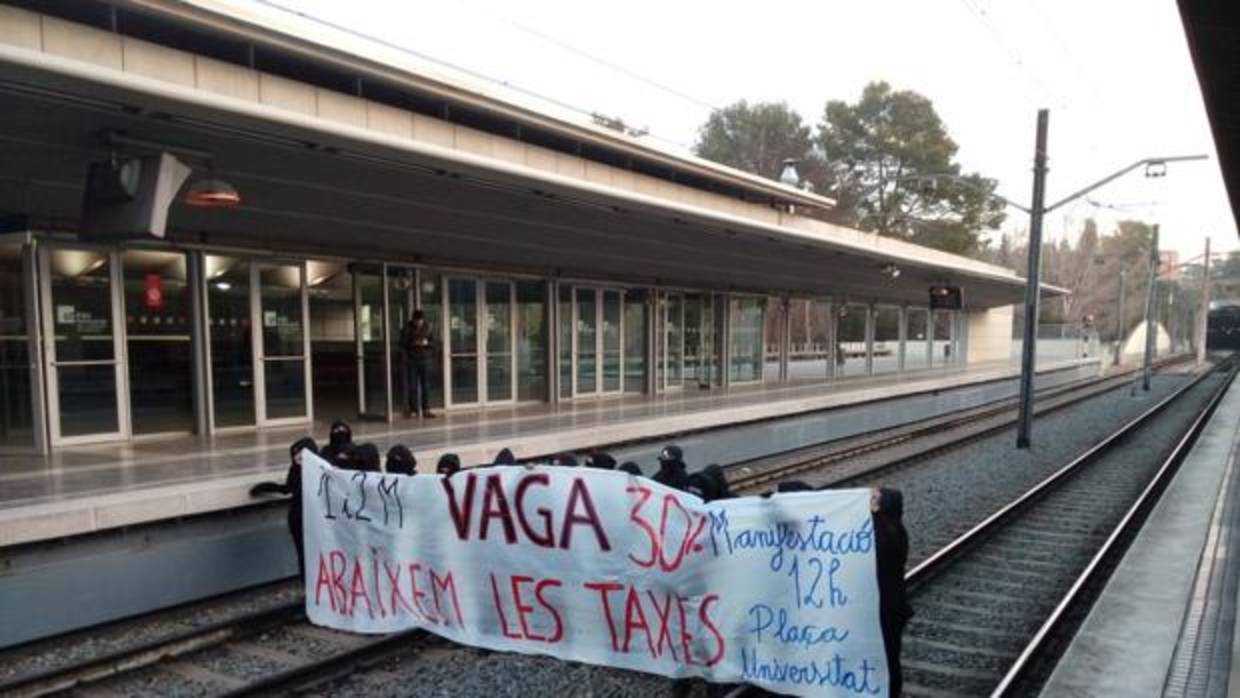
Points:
point(851, 345)
point(808, 348)
point(81, 305)
point(565, 340)
point(231, 339)
point(16, 415)
point(431, 289)
point(886, 339)
point(916, 353)
point(285, 381)
point(746, 341)
point(611, 341)
point(587, 348)
point(463, 339)
point(499, 341)
point(158, 346)
point(280, 312)
point(372, 329)
point(675, 339)
point(87, 396)
point(635, 340)
point(531, 340)
point(942, 338)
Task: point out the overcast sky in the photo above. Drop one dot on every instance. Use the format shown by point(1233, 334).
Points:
point(1116, 75)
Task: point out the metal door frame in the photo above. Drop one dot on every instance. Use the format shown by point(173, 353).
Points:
point(259, 353)
point(359, 347)
point(480, 341)
point(119, 359)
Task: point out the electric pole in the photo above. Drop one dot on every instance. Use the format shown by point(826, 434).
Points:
point(1203, 324)
point(1119, 321)
point(1151, 330)
point(1033, 285)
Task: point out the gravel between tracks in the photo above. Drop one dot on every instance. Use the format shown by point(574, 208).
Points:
point(947, 495)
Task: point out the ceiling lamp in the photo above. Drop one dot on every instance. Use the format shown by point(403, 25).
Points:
point(212, 192)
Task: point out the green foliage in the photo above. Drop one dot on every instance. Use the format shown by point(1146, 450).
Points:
point(894, 169)
point(758, 138)
point(887, 161)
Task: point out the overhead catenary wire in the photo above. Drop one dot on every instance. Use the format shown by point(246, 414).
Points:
point(589, 115)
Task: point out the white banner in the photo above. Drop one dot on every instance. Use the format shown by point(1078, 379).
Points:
point(603, 567)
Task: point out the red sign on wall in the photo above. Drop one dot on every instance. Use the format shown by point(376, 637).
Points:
point(153, 292)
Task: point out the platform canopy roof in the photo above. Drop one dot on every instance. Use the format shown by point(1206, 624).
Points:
point(312, 186)
point(1213, 30)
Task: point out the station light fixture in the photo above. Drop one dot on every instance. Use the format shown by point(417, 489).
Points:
point(212, 192)
point(788, 174)
point(890, 269)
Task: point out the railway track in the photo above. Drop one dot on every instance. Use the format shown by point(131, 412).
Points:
point(911, 443)
point(268, 652)
point(996, 605)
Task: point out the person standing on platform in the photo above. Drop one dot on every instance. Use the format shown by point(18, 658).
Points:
point(292, 487)
point(891, 553)
point(417, 343)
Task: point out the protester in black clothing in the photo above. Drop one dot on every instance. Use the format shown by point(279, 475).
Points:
point(793, 486)
point(400, 460)
point(891, 554)
point(448, 465)
point(601, 460)
point(417, 343)
point(292, 487)
point(629, 467)
point(672, 468)
point(565, 459)
point(339, 438)
point(505, 457)
point(365, 457)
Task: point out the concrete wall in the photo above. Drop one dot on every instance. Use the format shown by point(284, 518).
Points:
point(990, 334)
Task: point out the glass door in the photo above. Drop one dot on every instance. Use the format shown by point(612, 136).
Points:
point(671, 366)
point(586, 342)
point(230, 341)
point(612, 357)
point(371, 327)
point(83, 346)
point(498, 317)
point(282, 366)
point(461, 310)
point(159, 350)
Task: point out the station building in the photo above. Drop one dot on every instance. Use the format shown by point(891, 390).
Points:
point(585, 288)
point(558, 261)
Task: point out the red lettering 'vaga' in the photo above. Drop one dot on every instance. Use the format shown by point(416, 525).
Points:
point(659, 624)
point(537, 524)
point(517, 595)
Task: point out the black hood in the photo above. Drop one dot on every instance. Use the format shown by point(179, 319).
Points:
point(400, 460)
point(305, 443)
point(505, 457)
point(891, 503)
point(449, 463)
point(340, 434)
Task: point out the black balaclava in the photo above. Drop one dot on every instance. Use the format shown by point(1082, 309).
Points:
point(305, 443)
point(366, 457)
point(629, 467)
point(602, 460)
point(400, 460)
point(340, 436)
point(720, 479)
point(505, 457)
point(891, 503)
point(449, 464)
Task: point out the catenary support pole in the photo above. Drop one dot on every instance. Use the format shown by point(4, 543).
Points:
point(1032, 286)
point(1151, 329)
point(1204, 319)
point(1120, 325)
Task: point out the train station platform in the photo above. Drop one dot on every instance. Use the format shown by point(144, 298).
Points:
point(1165, 624)
point(87, 489)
